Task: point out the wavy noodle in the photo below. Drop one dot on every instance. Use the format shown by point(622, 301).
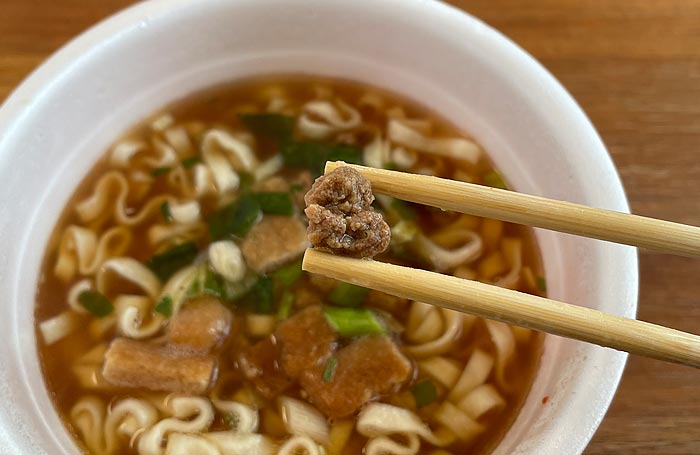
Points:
point(130, 270)
point(302, 419)
point(269, 168)
point(161, 234)
point(503, 339)
point(123, 152)
point(87, 416)
point(475, 373)
point(190, 415)
point(240, 443)
point(223, 154)
point(513, 251)
point(402, 132)
point(321, 119)
point(384, 445)
point(135, 318)
point(443, 370)
point(449, 330)
point(88, 369)
point(381, 420)
point(203, 181)
point(81, 251)
point(59, 327)
point(459, 423)
point(443, 259)
point(178, 286)
point(376, 153)
point(187, 444)
point(125, 419)
point(481, 400)
point(179, 139)
point(424, 323)
point(403, 158)
point(162, 122)
point(166, 155)
point(300, 445)
point(111, 191)
point(244, 417)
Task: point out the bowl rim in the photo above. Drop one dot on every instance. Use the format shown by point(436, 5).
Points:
point(19, 104)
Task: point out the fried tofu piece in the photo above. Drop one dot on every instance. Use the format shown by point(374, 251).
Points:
point(259, 364)
point(200, 325)
point(366, 368)
point(306, 340)
point(130, 363)
point(274, 241)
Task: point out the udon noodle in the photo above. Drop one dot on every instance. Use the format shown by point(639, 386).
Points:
point(173, 316)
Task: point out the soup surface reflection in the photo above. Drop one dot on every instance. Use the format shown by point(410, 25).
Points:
point(173, 316)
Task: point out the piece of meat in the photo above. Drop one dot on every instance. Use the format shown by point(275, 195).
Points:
point(341, 217)
point(200, 325)
point(366, 368)
point(274, 241)
point(259, 364)
point(130, 363)
point(343, 191)
point(305, 340)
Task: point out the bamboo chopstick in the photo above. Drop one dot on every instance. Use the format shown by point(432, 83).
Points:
point(649, 233)
point(513, 307)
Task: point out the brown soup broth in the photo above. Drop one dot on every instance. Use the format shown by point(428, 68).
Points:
point(221, 106)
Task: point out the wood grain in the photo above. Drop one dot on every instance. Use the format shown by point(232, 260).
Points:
point(634, 66)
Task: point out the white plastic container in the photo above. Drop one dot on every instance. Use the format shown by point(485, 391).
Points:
point(62, 118)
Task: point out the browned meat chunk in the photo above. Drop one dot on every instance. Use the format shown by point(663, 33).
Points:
point(130, 363)
point(366, 368)
point(259, 364)
point(306, 340)
point(200, 326)
point(341, 217)
point(274, 241)
point(306, 296)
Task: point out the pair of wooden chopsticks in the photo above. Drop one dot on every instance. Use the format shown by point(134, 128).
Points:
point(513, 307)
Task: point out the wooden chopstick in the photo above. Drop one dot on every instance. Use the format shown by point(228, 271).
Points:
point(649, 233)
point(512, 307)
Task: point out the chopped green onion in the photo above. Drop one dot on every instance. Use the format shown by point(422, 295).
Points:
point(191, 161)
point(160, 171)
point(96, 303)
point(165, 306)
point(350, 295)
point(286, 303)
point(273, 126)
point(352, 322)
point(296, 187)
point(206, 281)
point(424, 393)
point(229, 419)
point(246, 180)
point(495, 180)
point(541, 284)
point(235, 219)
point(213, 284)
point(289, 274)
point(261, 296)
point(164, 265)
point(274, 203)
point(329, 370)
point(165, 210)
point(404, 209)
point(313, 155)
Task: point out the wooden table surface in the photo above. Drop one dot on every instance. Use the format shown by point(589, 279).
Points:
point(634, 66)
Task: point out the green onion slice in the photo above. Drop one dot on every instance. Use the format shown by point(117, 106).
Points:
point(352, 322)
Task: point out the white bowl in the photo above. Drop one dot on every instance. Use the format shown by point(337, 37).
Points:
point(61, 119)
